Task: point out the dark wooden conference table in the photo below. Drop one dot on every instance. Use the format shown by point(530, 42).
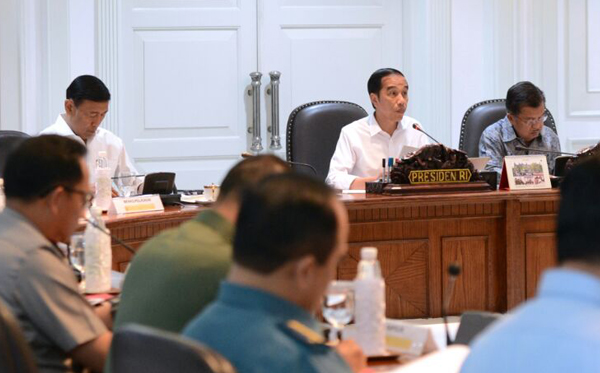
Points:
point(503, 240)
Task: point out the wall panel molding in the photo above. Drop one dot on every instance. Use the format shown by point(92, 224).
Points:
point(107, 56)
point(593, 46)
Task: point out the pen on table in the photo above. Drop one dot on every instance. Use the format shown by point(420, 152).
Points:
point(383, 175)
point(390, 165)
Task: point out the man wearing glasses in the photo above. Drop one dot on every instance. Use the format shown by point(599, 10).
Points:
point(47, 190)
point(523, 126)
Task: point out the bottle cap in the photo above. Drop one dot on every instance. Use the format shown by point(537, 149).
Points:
point(368, 253)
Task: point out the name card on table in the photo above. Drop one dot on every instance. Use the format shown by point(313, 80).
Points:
point(405, 338)
point(144, 203)
point(525, 172)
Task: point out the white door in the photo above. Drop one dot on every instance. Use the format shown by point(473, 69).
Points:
point(183, 71)
point(326, 49)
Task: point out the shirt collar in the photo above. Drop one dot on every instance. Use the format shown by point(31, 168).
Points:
point(217, 222)
point(375, 128)
point(64, 129)
point(248, 298)
point(35, 238)
point(570, 283)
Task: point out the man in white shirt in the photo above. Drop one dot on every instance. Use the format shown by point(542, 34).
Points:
point(85, 108)
point(365, 142)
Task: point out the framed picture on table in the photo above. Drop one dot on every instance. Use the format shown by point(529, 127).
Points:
point(525, 172)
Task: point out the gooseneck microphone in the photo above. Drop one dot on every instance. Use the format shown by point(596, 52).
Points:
point(418, 128)
point(291, 163)
point(95, 225)
point(523, 148)
point(453, 272)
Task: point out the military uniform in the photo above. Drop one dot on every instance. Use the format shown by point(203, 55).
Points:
point(260, 332)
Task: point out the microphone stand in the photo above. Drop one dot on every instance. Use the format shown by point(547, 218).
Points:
point(453, 272)
point(523, 148)
point(95, 225)
point(418, 128)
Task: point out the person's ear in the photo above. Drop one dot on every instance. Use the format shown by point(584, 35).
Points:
point(69, 107)
point(55, 198)
point(304, 272)
point(511, 118)
point(374, 99)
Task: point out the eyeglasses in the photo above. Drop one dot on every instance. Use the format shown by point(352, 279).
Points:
point(88, 197)
point(533, 121)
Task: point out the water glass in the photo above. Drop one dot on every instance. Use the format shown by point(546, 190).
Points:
point(338, 307)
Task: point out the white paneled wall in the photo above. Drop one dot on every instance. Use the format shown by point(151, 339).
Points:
point(454, 53)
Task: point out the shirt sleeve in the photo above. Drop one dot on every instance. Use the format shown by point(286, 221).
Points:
point(491, 147)
point(125, 167)
point(48, 293)
point(342, 163)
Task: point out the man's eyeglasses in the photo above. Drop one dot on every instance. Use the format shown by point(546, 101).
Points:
point(88, 197)
point(533, 121)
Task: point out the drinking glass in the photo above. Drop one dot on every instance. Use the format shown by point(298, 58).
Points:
point(126, 184)
point(77, 257)
point(338, 307)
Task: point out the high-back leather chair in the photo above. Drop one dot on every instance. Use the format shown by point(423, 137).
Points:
point(137, 348)
point(479, 117)
point(9, 140)
point(15, 354)
point(313, 131)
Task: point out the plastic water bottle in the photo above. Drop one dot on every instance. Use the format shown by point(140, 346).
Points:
point(370, 304)
point(98, 255)
point(103, 196)
point(2, 197)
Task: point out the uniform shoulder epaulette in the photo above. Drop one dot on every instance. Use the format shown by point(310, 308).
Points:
point(303, 332)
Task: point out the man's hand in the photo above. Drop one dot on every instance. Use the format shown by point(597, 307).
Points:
point(114, 192)
point(361, 182)
point(352, 354)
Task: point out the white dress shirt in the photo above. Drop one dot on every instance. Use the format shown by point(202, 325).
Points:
point(103, 140)
point(362, 146)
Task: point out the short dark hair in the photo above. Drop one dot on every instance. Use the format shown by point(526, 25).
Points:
point(374, 83)
point(249, 172)
point(40, 164)
point(87, 87)
point(523, 94)
point(285, 217)
point(579, 214)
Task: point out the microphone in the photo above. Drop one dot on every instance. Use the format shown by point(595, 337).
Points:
point(418, 128)
point(126, 177)
point(291, 163)
point(453, 272)
point(93, 223)
point(314, 170)
point(543, 151)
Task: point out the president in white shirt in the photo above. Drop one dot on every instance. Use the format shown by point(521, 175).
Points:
point(365, 142)
point(86, 106)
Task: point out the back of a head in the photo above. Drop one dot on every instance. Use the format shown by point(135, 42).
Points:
point(523, 94)
point(249, 172)
point(284, 218)
point(579, 216)
point(40, 164)
point(87, 87)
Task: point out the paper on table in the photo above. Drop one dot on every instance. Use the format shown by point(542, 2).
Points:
point(353, 191)
point(407, 149)
point(479, 162)
point(449, 360)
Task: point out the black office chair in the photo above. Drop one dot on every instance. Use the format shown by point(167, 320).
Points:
point(15, 354)
point(138, 348)
point(479, 117)
point(9, 140)
point(472, 323)
point(313, 131)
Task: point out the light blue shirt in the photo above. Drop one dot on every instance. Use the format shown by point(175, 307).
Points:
point(260, 332)
point(557, 331)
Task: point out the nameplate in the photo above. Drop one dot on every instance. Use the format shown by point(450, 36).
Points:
point(439, 176)
point(144, 203)
point(405, 338)
point(525, 172)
